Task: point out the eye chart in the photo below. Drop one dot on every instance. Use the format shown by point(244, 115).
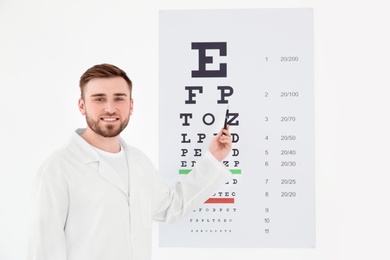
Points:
point(259, 64)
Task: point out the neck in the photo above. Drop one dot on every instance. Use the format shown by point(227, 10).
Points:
point(108, 144)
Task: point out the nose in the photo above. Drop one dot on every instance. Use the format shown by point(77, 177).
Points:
point(109, 107)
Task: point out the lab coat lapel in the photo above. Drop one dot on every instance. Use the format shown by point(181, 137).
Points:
point(134, 178)
point(89, 155)
point(110, 175)
point(135, 172)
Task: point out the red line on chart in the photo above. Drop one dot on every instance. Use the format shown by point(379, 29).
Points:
point(220, 200)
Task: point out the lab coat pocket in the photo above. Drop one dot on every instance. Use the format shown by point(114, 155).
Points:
point(145, 197)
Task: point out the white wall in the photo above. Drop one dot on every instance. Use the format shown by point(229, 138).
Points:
point(45, 46)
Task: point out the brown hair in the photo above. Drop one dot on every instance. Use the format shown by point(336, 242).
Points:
point(103, 71)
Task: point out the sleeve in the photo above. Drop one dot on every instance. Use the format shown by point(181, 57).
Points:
point(205, 178)
point(50, 202)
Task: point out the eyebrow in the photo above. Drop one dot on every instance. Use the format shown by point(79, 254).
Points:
point(103, 95)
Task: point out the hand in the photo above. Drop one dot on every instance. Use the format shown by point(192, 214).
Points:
point(221, 144)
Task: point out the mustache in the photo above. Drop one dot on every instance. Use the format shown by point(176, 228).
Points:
point(110, 114)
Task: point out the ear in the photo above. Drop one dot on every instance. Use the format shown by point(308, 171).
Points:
point(81, 106)
point(131, 106)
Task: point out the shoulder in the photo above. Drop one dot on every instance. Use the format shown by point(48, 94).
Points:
point(58, 161)
point(51, 170)
point(136, 153)
point(138, 156)
point(55, 158)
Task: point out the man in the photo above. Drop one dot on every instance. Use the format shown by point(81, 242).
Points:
point(95, 198)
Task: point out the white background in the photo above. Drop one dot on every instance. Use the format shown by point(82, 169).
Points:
point(46, 45)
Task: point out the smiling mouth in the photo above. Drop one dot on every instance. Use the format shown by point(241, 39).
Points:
point(109, 119)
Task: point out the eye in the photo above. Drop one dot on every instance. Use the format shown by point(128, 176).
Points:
point(119, 99)
point(100, 99)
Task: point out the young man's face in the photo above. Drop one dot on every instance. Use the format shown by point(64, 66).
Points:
point(107, 105)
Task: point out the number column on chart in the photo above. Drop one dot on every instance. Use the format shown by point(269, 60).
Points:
point(282, 122)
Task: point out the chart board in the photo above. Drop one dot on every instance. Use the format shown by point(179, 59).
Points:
point(258, 63)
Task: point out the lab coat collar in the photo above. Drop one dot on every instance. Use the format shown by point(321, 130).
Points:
point(88, 154)
point(84, 150)
point(80, 147)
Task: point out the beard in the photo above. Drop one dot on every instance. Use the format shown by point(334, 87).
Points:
point(107, 130)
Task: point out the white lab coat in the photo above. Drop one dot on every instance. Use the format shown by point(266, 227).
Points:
point(81, 210)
